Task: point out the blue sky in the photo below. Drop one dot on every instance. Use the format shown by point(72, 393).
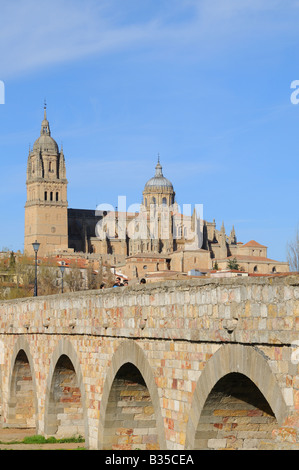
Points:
point(205, 83)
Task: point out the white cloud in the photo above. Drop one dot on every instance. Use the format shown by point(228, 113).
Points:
point(35, 33)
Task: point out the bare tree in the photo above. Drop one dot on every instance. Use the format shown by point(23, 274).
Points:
point(73, 278)
point(94, 277)
point(18, 272)
point(293, 253)
point(109, 276)
point(24, 272)
point(47, 277)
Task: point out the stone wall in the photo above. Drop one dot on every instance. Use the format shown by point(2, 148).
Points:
point(187, 341)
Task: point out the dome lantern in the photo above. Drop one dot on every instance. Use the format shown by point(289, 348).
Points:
point(158, 190)
point(45, 143)
point(159, 180)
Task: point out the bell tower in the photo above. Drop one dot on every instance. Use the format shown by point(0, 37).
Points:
point(46, 205)
point(158, 202)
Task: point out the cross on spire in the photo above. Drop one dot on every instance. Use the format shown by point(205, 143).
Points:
point(45, 130)
point(159, 167)
point(45, 109)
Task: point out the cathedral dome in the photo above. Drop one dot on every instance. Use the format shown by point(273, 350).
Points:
point(45, 143)
point(159, 181)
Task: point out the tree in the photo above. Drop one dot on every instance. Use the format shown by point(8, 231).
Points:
point(47, 280)
point(95, 277)
point(18, 277)
point(293, 253)
point(12, 261)
point(233, 264)
point(109, 276)
point(73, 278)
point(24, 272)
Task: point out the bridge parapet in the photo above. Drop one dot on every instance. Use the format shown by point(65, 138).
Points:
point(206, 363)
point(248, 311)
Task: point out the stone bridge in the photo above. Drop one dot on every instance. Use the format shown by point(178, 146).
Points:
point(202, 364)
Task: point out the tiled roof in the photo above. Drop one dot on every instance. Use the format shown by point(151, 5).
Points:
point(249, 258)
point(253, 243)
point(142, 256)
point(272, 274)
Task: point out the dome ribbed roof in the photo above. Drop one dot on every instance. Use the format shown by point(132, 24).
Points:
point(45, 143)
point(159, 181)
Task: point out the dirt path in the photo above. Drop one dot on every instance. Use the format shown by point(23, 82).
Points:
point(12, 435)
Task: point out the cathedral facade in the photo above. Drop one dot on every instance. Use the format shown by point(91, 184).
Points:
point(159, 238)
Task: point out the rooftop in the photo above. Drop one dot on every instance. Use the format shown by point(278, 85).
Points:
point(253, 243)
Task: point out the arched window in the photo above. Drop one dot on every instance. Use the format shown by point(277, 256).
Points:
point(154, 200)
point(274, 269)
point(164, 201)
point(255, 269)
point(51, 196)
point(57, 197)
point(46, 196)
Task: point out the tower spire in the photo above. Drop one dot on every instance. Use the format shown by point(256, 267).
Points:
point(45, 130)
point(159, 167)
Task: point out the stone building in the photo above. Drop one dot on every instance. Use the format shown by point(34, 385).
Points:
point(46, 209)
point(159, 238)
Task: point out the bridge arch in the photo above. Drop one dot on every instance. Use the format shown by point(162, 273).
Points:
point(22, 392)
point(65, 400)
point(130, 365)
point(236, 361)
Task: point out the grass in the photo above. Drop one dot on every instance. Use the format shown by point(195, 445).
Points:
point(37, 439)
point(50, 440)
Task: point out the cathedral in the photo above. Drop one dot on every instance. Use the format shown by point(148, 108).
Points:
point(157, 239)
